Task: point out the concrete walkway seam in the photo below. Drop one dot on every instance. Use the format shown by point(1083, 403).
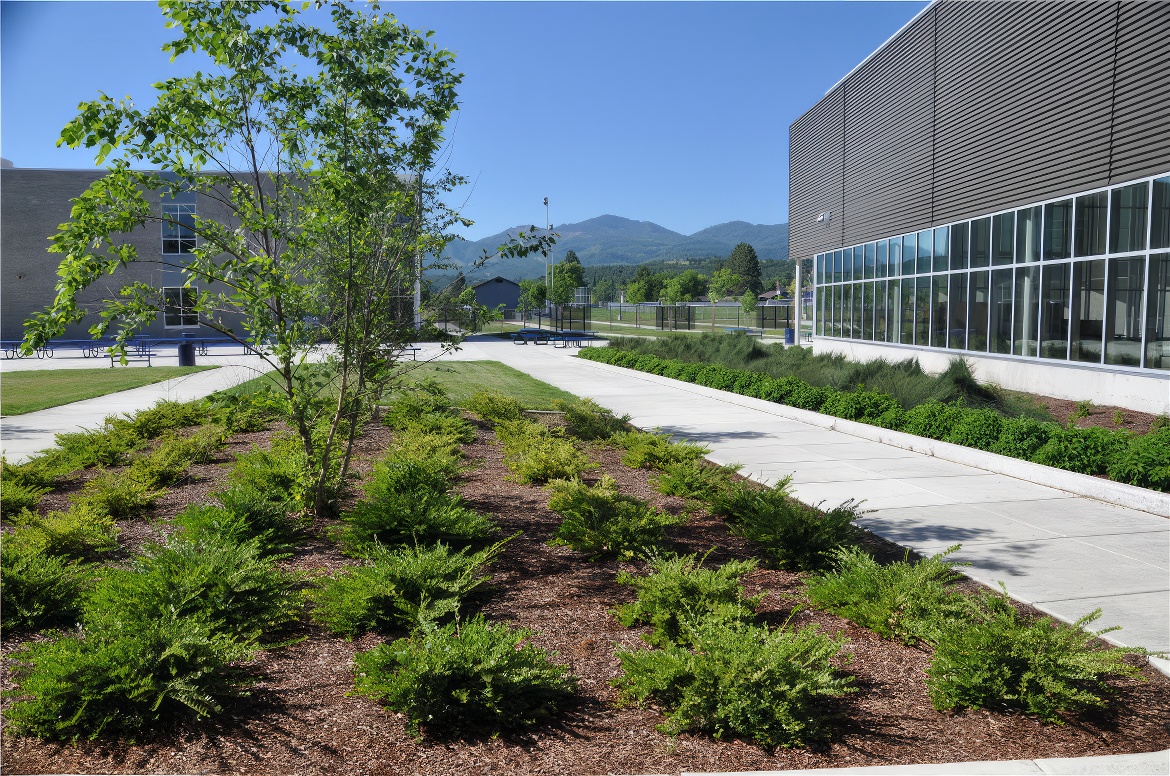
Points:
point(1108, 491)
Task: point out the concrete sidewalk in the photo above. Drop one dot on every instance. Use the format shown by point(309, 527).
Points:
point(1066, 555)
point(22, 436)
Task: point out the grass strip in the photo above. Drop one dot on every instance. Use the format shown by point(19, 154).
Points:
point(41, 389)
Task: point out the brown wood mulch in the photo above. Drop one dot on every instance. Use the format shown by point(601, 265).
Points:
point(1103, 416)
point(300, 719)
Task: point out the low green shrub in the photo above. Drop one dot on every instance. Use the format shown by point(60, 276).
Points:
point(494, 406)
point(404, 588)
point(241, 413)
point(695, 479)
point(108, 445)
point(465, 677)
point(1144, 461)
point(933, 419)
point(655, 451)
point(537, 454)
point(439, 452)
point(863, 406)
point(37, 590)
point(127, 682)
point(117, 495)
point(793, 535)
point(599, 520)
point(408, 501)
point(980, 429)
point(414, 401)
point(588, 420)
point(243, 514)
point(1084, 450)
point(741, 680)
point(997, 658)
point(175, 454)
point(679, 591)
point(167, 416)
point(78, 533)
point(906, 601)
point(282, 471)
point(17, 497)
point(1022, 437)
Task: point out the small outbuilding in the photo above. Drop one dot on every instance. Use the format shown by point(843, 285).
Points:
point(499, 291)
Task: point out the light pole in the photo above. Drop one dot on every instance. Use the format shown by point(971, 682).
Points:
point(547, 267)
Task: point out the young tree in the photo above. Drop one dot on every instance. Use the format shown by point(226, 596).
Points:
point(325, 190)
point(724, 285)
point(744, 262)
point(686, 286)
point(532, 296)
point(568, 276)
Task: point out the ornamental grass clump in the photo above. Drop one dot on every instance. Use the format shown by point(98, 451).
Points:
point(600, 521)
point(741, 680)
point(678, 592)
point(655, 451)
point(537, 454)
point(793, 535)
point(465, 678)
point(908, 602)
point(996, 658)
point(401, 589)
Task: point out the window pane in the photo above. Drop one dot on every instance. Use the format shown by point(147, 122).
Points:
point(1127, 218)
point(1028, 234)
point(883, 252)
point(960, 237)
point(1123, 324)
point(837, 270)
point(893, 310)
point(837, 305)
point(1089, 228)
point(855, 332)
point(922, 311)
point(1001, 311)
point(1088, 311)
point(870, 260)
point(858, 262)
point(1026, 312)
point(867, 312)
point(820, 330)
point(977, 311)
point(1158, 313)
point(908, 254)
point(179, 307)
point(957, 317)
point(1002, 238)
point(981, 242)
point(879, 311)
point(895, 256)
point(1054, 311)
point(820, 269)
point(1057, 227)
point(941, 237)
point(178, 234)
point(938, 311)
point(925, 250)
point(906, 335)
point(1160, 228)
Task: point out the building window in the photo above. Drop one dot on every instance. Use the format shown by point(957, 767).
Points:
point(870, 260)
point(941, 235)
point(1001, 311)
point(858, 262)
point(1002, 238)
point(1088, 311)
point(1054, 311)
point(957, 320)
point(981, 242)
point(925, 251)
point(1123, 313)
point(879, 311)
point(1158, 313)
point(1028, 234)
point(178, 232)
point(1089, 227)
point(1127, 218)
point(1160, 222)
point(883, 252)
point(179, 307)
point(1057, 227)
point(922, 310)
point(977, 311)
point(1025, 329)
point(908, 254)
point(960, 235)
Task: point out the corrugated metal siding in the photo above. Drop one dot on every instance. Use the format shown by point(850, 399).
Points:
point(889, 111)
point(816, 145)
point(1021, 105)
point(1141, 113)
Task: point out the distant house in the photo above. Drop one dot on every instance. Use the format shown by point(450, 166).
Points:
point(498, 291)
point(775, 296)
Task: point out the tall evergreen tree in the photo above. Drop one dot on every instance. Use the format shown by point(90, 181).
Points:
point(744, 262)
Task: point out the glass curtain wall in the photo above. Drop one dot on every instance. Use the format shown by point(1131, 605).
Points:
point(1082, 279)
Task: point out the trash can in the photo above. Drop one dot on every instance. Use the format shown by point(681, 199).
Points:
point(790, 336)
point(186, 354)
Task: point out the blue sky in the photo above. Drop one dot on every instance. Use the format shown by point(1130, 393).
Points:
point(676, 113)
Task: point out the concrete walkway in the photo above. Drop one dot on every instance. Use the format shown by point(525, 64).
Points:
point(21, 436)
point(1066, 555)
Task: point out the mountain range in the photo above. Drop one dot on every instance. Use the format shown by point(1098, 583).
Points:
point(615, 240)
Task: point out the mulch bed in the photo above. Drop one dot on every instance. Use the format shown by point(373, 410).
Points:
point(1104, 416)
point(300, 720)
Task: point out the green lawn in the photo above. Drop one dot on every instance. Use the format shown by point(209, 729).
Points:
point(462, 378)
point(22, 392)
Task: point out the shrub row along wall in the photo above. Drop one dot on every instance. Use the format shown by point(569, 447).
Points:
point(1135, 459)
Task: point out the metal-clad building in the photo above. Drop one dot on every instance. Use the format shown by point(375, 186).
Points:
point(994, 182)
point(499, 291)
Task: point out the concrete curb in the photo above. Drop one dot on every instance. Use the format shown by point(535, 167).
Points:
point(1120, 494)
point(1144, 763)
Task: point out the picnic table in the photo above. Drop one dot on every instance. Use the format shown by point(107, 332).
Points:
point(535, 336)
point(575, 339)
point(743, 330)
